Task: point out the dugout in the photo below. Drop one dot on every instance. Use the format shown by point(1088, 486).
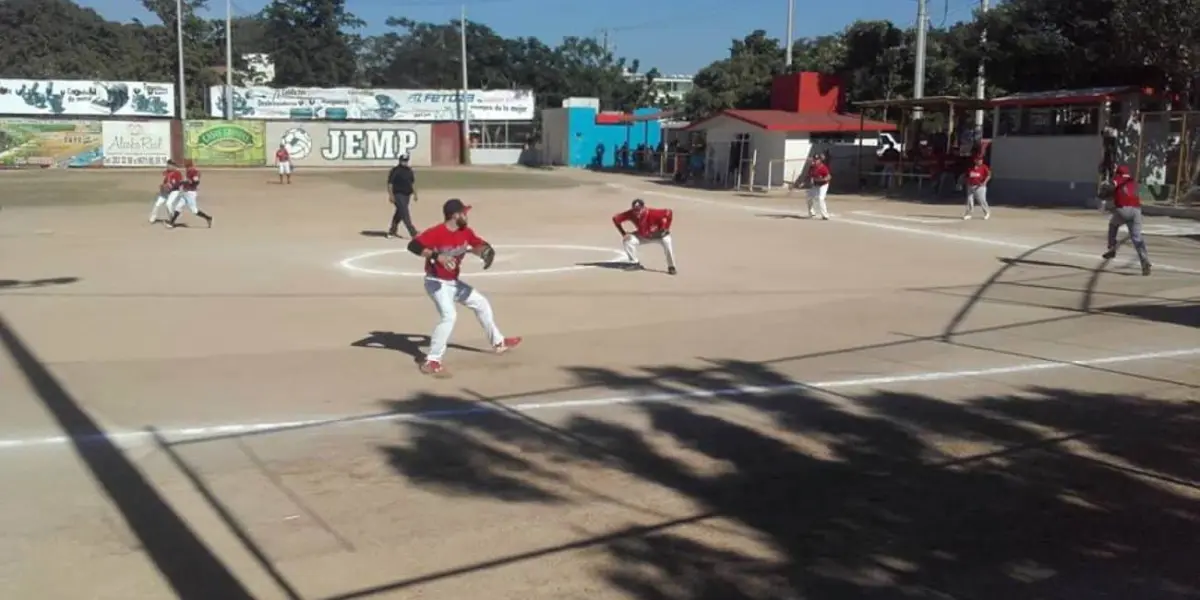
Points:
point(938, 141)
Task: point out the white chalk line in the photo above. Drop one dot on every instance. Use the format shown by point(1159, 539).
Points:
point(349, 263)
point(910, 230)
point(871, 213)
point(185, 433)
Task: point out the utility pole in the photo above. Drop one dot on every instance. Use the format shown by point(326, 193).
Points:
point(604, 37)
point(919, 70)
point(465, 106)
point(179, 42)
point(791, 21)
point(980, 82)
point(228, 60)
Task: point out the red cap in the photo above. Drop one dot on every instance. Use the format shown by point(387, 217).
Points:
point(1122, 171)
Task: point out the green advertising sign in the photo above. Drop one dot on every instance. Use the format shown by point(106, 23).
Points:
point(227, 143)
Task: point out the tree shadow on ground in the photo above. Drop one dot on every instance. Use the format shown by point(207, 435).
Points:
point(1186, 313)
point(16, 284)
point(1050, 493)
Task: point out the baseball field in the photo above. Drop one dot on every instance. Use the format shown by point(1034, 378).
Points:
point(895, 403)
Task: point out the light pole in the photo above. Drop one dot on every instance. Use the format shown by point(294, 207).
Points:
point(179, 43)
point(228, 60)
point(462, 96)
point(791, 18)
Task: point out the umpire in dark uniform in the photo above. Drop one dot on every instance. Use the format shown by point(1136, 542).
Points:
point(401, 191)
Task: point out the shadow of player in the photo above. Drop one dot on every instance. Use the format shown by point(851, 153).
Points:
point(6, 284)
point(407, 343)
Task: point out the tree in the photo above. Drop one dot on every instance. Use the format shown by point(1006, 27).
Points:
point(741, 81)
point(309, 44)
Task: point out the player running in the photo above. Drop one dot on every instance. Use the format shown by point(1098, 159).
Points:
point(284, 161)
point(443, 246)
point(168, 190)
point(1126, 210)
point(187, 196)
point(650, 225)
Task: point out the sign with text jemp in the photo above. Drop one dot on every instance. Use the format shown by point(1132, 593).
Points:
point(57, 97)
point(137, 144)
point(226, 143)
point(346, 104)
point(42, 143)
point(316, 144)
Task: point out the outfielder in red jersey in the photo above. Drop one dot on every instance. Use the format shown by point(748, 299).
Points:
point(187, 195)
point(650, 225)
point(284, 160)
point(168, 190)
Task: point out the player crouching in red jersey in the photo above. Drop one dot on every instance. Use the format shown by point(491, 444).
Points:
point(650, 225)
point(168, 190)
point(1126, 210)
point(443, 246)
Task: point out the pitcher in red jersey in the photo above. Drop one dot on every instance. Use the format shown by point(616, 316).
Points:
point(443, 247)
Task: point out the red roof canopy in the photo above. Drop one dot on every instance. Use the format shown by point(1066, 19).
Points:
point(1062, 97)
point(779, 120)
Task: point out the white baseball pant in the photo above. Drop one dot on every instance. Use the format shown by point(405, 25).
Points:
point(632, 241)
point(977, 193)
point(445, 294)
point(186, 198)
point(285, 167)
point(167, 201)
point(816, 200)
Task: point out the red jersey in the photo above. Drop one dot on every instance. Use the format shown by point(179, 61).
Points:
point(172, 180)
point(282, 155)
point(1125, 194)
point(191, 179)
point(978, 175)
point(454, 243)
point(651, 220)
point(819, 173)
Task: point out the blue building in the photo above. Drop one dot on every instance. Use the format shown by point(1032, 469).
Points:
point(580, 135)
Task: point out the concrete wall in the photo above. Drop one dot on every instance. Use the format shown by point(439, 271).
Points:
point(572, 136)
point(342, 144)
point(1049, 170)
point(149, 143)
point(496, 156)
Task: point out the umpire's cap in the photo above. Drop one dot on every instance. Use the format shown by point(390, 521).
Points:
point(454, 206)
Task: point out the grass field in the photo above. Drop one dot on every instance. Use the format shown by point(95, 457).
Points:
point(58, 187)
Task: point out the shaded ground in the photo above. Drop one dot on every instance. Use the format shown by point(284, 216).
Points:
point(882, 408)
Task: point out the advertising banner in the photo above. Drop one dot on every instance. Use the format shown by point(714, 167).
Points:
point(352, 144)
point(137, 143)
point(57, 97)
point(29, 143)
point(226, 143)
point(346, 104)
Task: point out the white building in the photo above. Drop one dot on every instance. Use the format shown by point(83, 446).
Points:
point(765, 149)
point(666, 87)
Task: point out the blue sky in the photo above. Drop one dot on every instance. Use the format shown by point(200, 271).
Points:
point(676, 36)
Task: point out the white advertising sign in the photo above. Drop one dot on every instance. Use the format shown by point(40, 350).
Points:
point(136, 144)
point(346, 104)
point(63, 98)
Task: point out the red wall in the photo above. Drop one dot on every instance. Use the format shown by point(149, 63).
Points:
point(447, 143)
point(806, 92)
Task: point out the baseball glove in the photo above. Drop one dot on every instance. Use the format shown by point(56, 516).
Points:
point(488, 255)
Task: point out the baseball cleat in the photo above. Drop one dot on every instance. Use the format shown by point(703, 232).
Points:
point(1111, 254)
point(508, 344)
point(432, 367)
point(1146, 269)
point(671, 271)
point(967, 217)
point(209, 220)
